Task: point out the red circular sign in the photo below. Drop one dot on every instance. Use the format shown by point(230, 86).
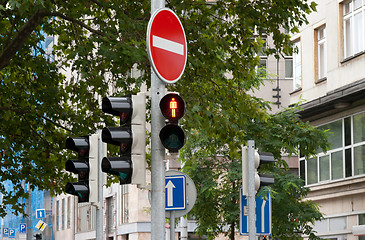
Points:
point(166, 45)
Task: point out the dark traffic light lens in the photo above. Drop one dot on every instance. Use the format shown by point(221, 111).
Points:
point(172, 137)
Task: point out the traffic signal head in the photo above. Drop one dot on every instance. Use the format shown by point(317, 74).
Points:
point(172, 108)
point(80, 167)
point(262, 180)
point(130, 167)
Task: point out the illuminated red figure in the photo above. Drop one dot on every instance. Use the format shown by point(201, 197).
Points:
point(173, 107)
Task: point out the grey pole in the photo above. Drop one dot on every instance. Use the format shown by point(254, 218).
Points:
point(251, 201)
point(172, 225)
point(157, 151)
point(99, 207)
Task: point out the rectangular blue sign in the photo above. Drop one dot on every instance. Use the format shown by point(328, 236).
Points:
point(175, 194)
point(11, 232)
point(41, 213)
point(23, 228)
point(263, 214)
point(5, 232)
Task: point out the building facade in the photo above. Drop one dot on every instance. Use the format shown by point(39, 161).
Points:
point(329, 74)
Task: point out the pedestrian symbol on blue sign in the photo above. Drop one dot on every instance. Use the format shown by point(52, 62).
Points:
point(11, 232)
point(263, 214)
point(175, 197)
point(23, 228)
point(5, 232)
point(41, 213)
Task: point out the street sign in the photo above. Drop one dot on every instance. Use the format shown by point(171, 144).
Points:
point(175, 197)
point(190, 194)
point(22, 228)
point(5, 232)
point(41, 213)
point(166, 45)
point(11, 232)
point(41, 225)
point(263, 214)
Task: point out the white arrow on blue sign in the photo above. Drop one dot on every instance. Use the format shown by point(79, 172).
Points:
point(22, 228)
point(175, 196)
point(263, 215)
point(41, 213)
point(11, 232)
point(5, 232)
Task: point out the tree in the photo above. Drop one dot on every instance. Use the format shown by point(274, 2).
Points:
point(216, 169)
point(46, 98)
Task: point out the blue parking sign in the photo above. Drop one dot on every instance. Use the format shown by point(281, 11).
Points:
point(23, 228)
point(11, 232)
point(5, 232)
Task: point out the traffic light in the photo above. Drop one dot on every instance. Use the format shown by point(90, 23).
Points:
point(262, 180)
point(130, 166)
point(172, 108)
point(38, 236)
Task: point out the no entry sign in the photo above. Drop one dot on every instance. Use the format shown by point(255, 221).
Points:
point(166, 45)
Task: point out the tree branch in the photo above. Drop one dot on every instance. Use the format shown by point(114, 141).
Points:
point(18, 41)
point(74, 20)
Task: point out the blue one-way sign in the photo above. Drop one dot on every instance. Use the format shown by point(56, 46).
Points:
point(263, 214)
point(41, 213)
point(175, 196)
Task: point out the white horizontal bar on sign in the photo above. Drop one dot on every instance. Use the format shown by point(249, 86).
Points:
point(167, 45)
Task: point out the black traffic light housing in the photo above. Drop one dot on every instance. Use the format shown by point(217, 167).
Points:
point(262, 180)
point(130, 167)
point(172, 108)
point(80, 167)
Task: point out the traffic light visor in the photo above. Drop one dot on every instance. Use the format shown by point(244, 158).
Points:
point(79, 189)
point(78, 144)
point(118, 106)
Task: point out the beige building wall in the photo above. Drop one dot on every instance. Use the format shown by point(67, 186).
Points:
point(337, 97)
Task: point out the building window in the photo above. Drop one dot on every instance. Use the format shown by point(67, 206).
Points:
point(69, 211)
point(361, 222)
point(289, 67)
point(297, 67)
point(346, 156)
point(63, 213)
point(124, 204)
point(58, 215)
point(353, 27)
point(321, 53)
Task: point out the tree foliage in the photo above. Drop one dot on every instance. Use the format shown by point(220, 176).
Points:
point(46, 97)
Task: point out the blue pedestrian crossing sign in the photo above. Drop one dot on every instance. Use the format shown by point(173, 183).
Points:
point(263, 214)
point(41, 213)
point(23, 228)
point(175, 194)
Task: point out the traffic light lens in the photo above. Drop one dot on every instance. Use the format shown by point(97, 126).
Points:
point(172, 137)
point(172, 107)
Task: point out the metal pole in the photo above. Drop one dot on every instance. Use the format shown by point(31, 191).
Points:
point(172, 225)
point(184, 230)
point(251, 201)
point(99, 207)
point(157, 151)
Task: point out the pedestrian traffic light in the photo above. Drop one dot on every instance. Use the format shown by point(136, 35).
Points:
point(172, 108)
point(262, 180)
point(130, 166)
